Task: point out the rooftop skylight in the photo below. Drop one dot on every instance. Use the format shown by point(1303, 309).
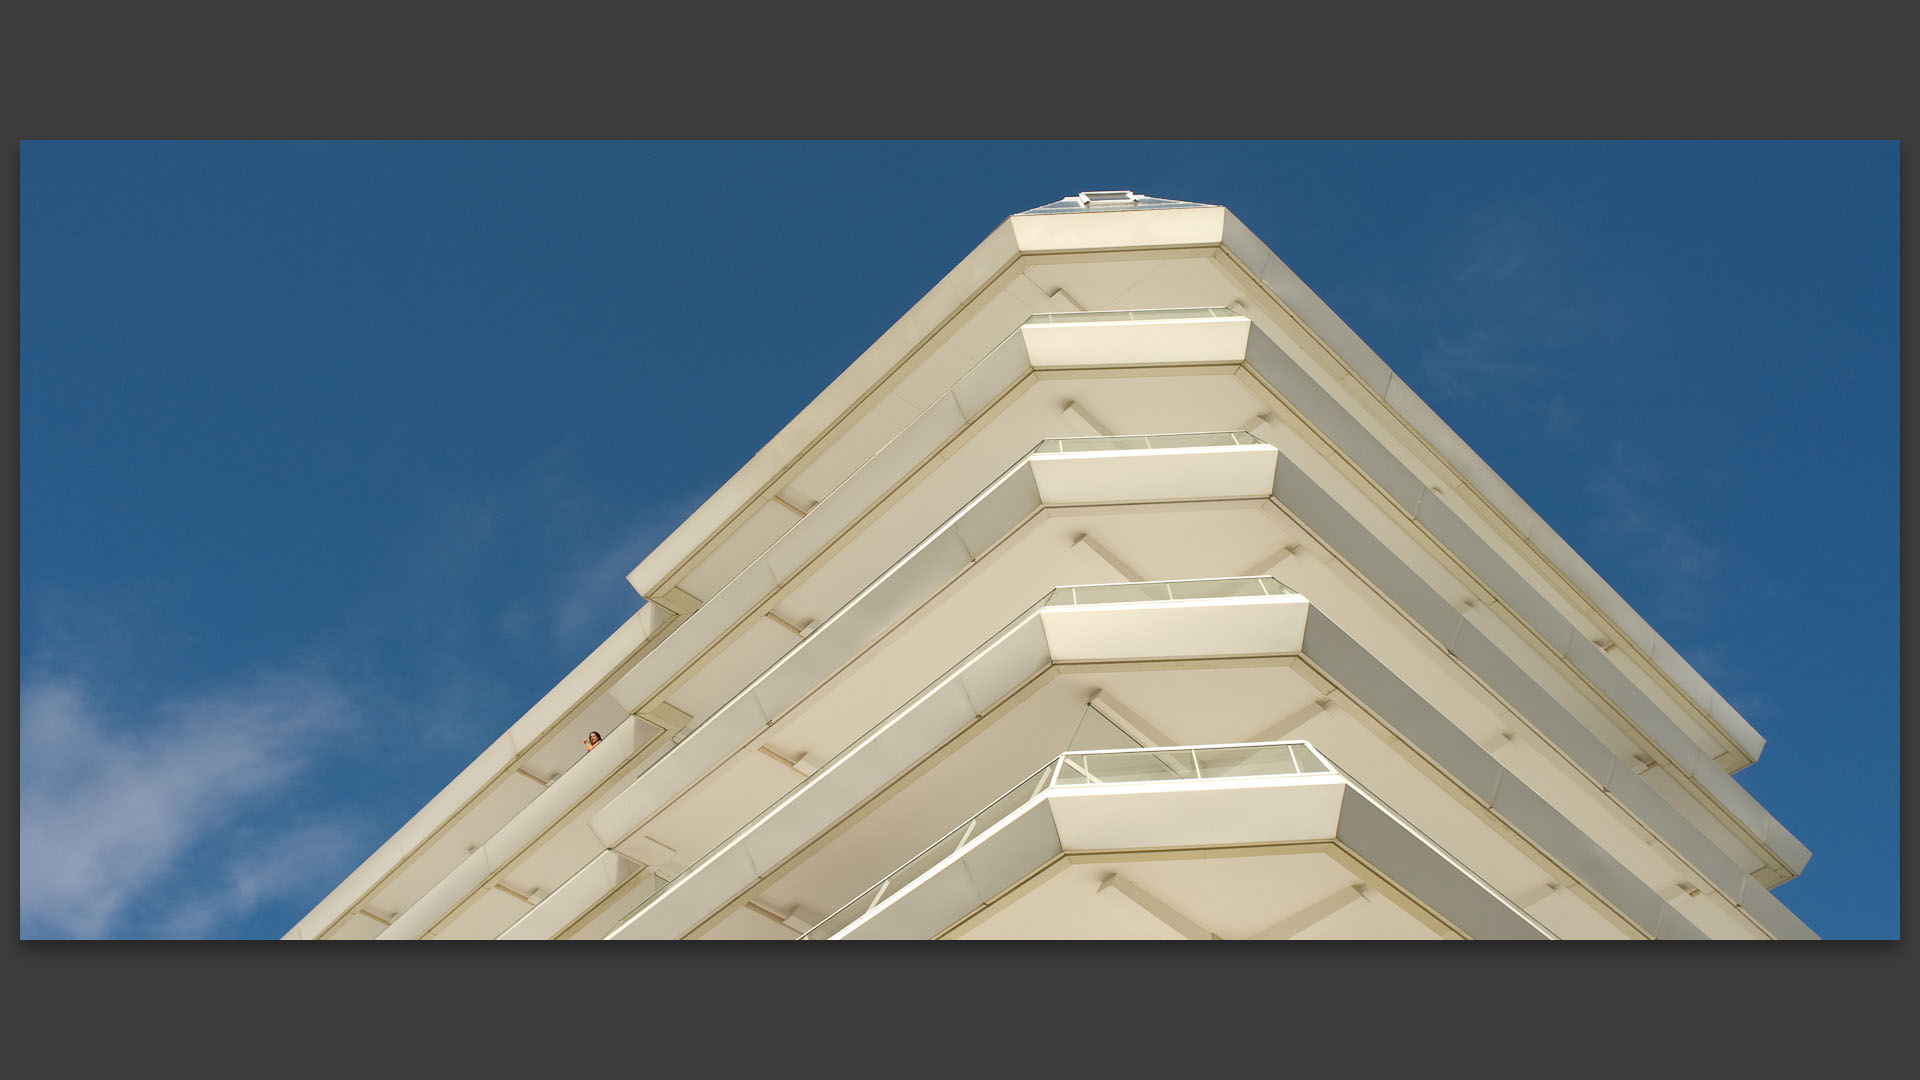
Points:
point(1097, 201)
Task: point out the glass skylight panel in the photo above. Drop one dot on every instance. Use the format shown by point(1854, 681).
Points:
point(1096, 202)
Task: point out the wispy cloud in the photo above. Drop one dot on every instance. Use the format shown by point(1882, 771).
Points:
point(1557, 421)
point(1660, 546)
point(1498, 320)
point(280, 863)
point(592, 589)
point(119, 799)
point(1529, 345)
point(580, 544)
point(1504, 239)
point(1474, 362)
point(150, 808)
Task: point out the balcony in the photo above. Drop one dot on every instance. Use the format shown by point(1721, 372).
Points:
point(1273, 801)
point(1239, 616)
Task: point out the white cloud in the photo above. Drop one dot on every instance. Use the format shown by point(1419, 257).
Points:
point(126, 810)
point(1557, 421)
point(1502, 239)
point(1503, 314)
point(1667, 553)
point(595, 588)
point(292, 862)
point(1472, 364)
point(191, 815)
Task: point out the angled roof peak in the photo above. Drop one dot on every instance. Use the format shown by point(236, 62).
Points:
point(1096, 201)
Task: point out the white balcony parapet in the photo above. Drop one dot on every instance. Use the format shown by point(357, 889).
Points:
point(1182, 337)
point(1211, 767)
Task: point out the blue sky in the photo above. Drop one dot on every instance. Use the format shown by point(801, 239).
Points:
point(333, 455)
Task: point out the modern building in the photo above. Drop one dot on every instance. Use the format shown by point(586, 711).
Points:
point(1117, 591)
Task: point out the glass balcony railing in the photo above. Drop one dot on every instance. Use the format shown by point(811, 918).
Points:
point(1019, 795)
point(1142, 592)
point(1122, 592)
point(1176, 441)
point(1150, 764)
point(1078, 768)
point(1056, 318)
point(641, 894)
point(637, 896)
point(1072, 595)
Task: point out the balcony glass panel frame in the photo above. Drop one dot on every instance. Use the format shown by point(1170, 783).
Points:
point(1034, 786)
point(1173, 440)
point(1191, 314)
point(1158, 592)
point(1168, 764)
point(1215, 761)
point(1067, 596)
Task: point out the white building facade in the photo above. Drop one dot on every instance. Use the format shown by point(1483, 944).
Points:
point(1117, 591)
